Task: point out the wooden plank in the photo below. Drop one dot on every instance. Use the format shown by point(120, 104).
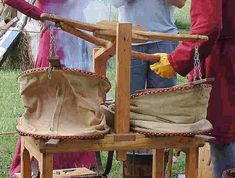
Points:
point(158, 163)
point(123, 62)
point(191, 170)
point(73, 172)
point(122, 97)
point(46, 165)
point(109, 143)
point(25, 161)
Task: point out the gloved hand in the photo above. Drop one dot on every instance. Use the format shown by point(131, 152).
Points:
point(163, 67)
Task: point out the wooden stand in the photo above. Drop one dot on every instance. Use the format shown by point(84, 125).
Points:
point(43, 152)
point(122, 139)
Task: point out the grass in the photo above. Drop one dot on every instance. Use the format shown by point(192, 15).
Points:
point(10, 109)
point(182, 17)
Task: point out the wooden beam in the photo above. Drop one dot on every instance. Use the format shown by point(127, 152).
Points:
point(122, 97)
point(138, 35)
point(112, 142)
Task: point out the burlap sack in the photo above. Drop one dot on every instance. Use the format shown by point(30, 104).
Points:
point(176, 110)
point(67, 105)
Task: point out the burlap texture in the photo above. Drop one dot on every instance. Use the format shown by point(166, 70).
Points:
point(180, 109)
point(68, 104)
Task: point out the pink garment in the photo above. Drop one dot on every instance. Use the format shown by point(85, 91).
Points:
point(61, 160)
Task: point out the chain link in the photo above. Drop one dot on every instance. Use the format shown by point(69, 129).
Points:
point(197, 64)
point(51, 49)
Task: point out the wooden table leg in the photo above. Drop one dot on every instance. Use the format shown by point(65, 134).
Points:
point(25, 162)
point(158, 163)
point(191, 169)
point(46, 165)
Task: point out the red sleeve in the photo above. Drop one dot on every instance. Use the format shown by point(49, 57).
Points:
point(25, 8)
point(206, 16)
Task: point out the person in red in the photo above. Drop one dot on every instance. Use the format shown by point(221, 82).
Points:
point(69, 57)
point(214, 18)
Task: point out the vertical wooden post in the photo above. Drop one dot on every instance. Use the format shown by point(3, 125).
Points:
point(25, 161)
point(158, 170)
point(191, 169)
point(46, 165)
point(123, 62)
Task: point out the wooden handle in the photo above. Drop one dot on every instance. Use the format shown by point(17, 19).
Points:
point(109, 30)
point(171, 37)
point(144, 56)
point(83, 35)
point(73, 23)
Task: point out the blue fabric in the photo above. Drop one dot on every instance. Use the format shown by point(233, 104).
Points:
point(154, 15)
point(223, 158)
point(142, 75)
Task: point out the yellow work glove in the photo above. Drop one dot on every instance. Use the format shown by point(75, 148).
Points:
point(163, 67)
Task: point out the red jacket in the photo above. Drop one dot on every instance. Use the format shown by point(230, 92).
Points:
point(25, 8)
point(214, 18)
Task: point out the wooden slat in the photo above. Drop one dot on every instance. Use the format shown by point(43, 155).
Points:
point(158, 163)
point(191, 170)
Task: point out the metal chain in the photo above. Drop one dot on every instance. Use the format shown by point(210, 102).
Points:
point(197, 64)
point(52, 44)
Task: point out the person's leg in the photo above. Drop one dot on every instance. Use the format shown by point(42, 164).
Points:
point(138, 71)
point(154, 80)
point(223, 158)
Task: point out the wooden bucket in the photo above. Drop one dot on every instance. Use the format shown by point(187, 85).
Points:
point(138, 165)
point(229, 173)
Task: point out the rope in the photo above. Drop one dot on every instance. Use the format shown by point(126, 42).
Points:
point(8, 133)
point(28, 31)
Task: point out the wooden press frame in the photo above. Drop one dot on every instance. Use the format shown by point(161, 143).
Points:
point(119, 42)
